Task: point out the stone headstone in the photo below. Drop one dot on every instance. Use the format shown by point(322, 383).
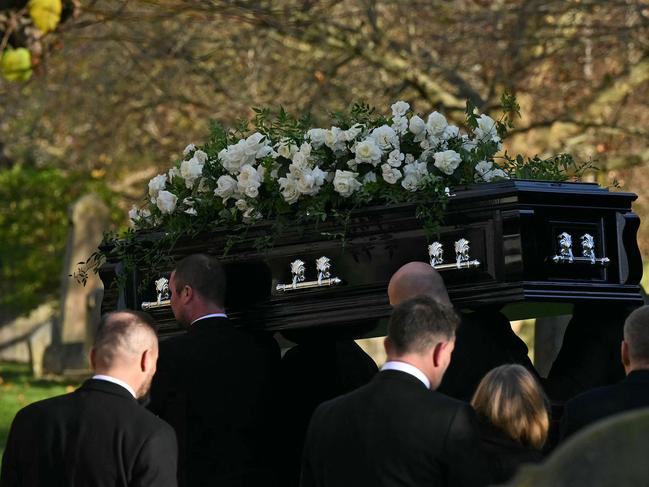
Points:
point(89, 218)
point(548, 337)
point(610, 453)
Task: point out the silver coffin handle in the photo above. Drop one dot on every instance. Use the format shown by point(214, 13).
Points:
point(565, 255)
point(164, 296)
point(462, 258)
point(323, 266)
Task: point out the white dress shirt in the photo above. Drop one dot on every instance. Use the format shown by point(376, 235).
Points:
point(408, 369)
point(108, 378)
point(213, 315)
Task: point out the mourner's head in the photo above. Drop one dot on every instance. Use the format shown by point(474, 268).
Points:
point(421, 332)
point(197, 288)
point(512, 400)
point(126, 348)
point(635, 347)
point(416, 279)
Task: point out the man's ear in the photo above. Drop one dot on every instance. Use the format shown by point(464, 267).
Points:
point(624, 353)
point(387, 344)
point(187, 294)
point(145, 360)
point(92, 356)
point(438, 352)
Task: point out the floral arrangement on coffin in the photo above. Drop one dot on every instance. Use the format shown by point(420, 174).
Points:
point(286, 168)
point(286, 172)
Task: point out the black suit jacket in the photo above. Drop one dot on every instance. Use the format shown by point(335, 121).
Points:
point(484, 340)
point(215, 386)
point(96, 436)
point(393, 432)
point(591, 406)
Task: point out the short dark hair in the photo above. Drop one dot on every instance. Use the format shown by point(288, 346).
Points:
point(204, 274)
point(636, 334)
point(420, 322)
point(117, 331)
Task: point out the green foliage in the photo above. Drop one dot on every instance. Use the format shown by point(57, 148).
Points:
point(18, 389)
point(34, 227)
point(557, 168)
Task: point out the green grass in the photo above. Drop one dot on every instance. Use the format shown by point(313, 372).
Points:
point(18, 389)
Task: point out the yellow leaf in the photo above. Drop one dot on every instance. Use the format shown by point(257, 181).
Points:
point(46, 14)
point(16, 64)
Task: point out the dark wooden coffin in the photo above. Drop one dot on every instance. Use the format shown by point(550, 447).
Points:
point(518, 242)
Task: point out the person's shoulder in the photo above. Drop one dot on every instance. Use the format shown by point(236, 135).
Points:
point(44, 407)
point(592, 397)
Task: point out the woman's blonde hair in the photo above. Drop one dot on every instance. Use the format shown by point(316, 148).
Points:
point(511, 399)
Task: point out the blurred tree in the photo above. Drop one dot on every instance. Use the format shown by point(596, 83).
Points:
point(34, 225)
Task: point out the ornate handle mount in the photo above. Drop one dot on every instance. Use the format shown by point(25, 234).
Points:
point(462, 258)
point(164, 296)
point(323, 266)
point(565, 255)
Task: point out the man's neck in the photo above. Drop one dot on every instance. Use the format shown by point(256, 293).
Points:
point(636, 368)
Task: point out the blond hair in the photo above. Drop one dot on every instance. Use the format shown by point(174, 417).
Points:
point(511, 399)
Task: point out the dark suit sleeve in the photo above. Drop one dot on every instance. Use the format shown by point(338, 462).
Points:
point(466, 461)
point(157, 460)
point(9, 473)
point(307, 476)
point(569, 422)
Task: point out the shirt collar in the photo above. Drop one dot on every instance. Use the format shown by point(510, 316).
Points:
point(213, 315)
point(408, 369)
point(108, 378)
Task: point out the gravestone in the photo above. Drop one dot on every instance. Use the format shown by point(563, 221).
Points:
point(610, 453)
point(89, 218)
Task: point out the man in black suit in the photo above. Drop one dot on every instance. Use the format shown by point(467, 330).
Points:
point(630, 393)
point(484, 339)
point(98, 435)
point(215, 384)
point(397, 430)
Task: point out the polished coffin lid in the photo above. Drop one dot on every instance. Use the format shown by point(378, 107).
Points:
point(515, 241)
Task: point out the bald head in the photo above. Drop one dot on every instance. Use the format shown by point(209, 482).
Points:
point(121, 339)
point(417, 279)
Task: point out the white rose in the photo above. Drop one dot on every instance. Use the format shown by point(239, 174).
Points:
point(226, 186)
point(390, 174)
point(306, 184)
point(417, 169)
point(400, 125)
point(248, 178)
point(317, 137)
point(251, 214)
point(482, 167)
point(301, 160)
point(352, 164)
point(495, 174)
point(410, 182)
point(319, 175)
point(400, 108)
point(395, 158)
point(286, 149)
point(289, 189)
point(468, 144)
point(345, 182)
point(367, 151)
point(370, 177)
point(335, 139)
point(242, 205)
point(200, 156)
point(174, 172)
point(436, 124)
point(232, 157)
point(191, 211)
point(166, 202)
point(203, 186)
point(447, 161)
point(157, 184)
point(450, 132)
point(486, 129)
point(418, 128)
point(191, 170)
point(352, 132)
point(187, 150)
point(385, 137)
